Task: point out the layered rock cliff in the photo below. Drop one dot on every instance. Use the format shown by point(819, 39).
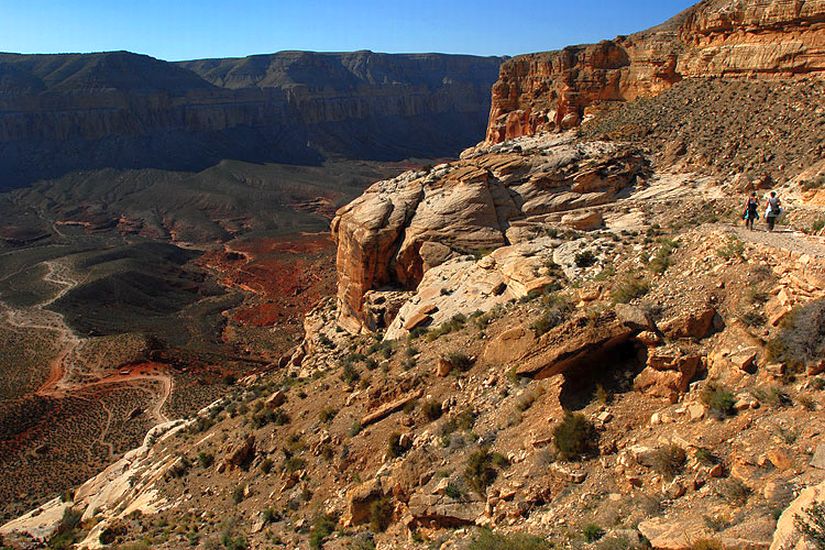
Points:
point(60, 113)
point(716, 38)
point(400, 228)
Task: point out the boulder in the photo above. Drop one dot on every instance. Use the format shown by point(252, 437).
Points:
point(668, 372)
point(359, 499)
point(578, 341)
point(583, 221)
point(241, 454)
point(276, 400)
point(509, 345)
point(691, 324)
point(818, 460)
point(387, 409)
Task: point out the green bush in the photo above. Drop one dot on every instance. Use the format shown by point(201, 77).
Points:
point(718, 399)
point(395, 447)
point(456, 322)
point(238, 494)
point(661, 260)
point(266, 465)
point(460, 361)
point(733, 491)
point(669, 461)
point(812, 523)
point(557, 309)
point(486, 539)
point(733, 248)
point(327, 414)
point(453, 491)
point(481, 471)
point(432, 410)
point(629, 288)
point(592, 532)
point(381, 511)
point(575, 437)
point(585, 258)
point(322, 527)
point(206, 459)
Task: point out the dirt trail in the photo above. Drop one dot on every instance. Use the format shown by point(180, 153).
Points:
point(784, 239)
point(37, 317)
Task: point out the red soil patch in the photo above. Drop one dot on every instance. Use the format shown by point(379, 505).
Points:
point(287, 276)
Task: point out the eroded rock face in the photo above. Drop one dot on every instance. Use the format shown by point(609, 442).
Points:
point(403, 227)
point(731, 38)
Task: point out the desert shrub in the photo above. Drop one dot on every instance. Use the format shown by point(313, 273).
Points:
point(754, 318)
point(395, 445)
point(629, 288)
point(66, 532)
point(349, 374)
point(527, 398)
point(206, 459)
point(592, 532)
point(322, 527)
point(818, 225)
point(812, 523)
point(111, 533)
point(238, 494)
point(661, 259)
point(266, 465)
point(456, 322)
point(585, 258)
point(800, 339)
point(704, 456)
point(774, 396)
point(718, 399)
point(557, 309)
point(733, 491)
point(818, 383)
point(481, 471)
point(294, 463)
point(807, 402)
point(460, 361)
point(602, 395)
point(408, 363)
point(486, 539)
point(453, 491)
point(733, 248)
point(327, 414)
point(180, 467)
point(270, 515)
point(669, 461)
point(380, 514)
point(574, 437)
point(355, 428)
point(432, 409)
point(229, 380)
point(267, 416)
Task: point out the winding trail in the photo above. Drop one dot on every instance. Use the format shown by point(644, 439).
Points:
point(785, 239)
point(56, 385)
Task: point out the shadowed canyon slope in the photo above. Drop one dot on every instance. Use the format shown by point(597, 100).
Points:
point(714, 38)
point(67, 112)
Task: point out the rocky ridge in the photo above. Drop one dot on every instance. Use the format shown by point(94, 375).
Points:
point(716, 38)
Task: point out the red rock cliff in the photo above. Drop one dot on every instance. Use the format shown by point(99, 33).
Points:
point(730, 38)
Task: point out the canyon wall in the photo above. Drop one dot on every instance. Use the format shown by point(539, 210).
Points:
point(715, 38)
point(61, 113)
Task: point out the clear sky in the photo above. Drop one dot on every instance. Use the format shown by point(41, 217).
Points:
point(190, 29)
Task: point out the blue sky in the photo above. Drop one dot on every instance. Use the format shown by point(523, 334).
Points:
point(189, 29)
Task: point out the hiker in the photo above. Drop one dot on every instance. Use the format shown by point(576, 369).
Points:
point(773, 209)
point(751, 211)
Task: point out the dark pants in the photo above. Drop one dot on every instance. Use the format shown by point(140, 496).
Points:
point(771, 222)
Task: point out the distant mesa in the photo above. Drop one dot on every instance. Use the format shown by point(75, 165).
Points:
point(66, 112)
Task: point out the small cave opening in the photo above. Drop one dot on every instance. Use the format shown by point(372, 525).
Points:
point(612, 369)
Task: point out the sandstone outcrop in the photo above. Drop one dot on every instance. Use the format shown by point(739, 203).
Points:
point(494, 196)
point(717, 38)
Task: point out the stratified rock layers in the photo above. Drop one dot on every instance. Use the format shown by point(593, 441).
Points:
point(60, 113)
point(715, 38)
point(495, 196)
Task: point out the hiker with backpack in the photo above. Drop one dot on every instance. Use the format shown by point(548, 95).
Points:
point(773, 209)
point(751, 211)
